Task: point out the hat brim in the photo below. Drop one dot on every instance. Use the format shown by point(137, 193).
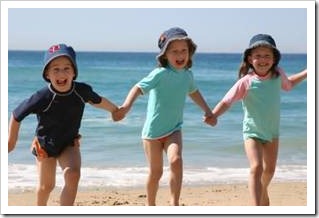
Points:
point(163, 50)
point(258, 44)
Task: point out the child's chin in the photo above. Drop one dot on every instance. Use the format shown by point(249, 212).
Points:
point(62, 88)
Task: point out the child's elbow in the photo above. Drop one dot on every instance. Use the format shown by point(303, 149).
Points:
point(11, 145)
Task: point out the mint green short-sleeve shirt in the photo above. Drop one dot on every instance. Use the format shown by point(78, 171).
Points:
point(262, 109)
point(167, 89)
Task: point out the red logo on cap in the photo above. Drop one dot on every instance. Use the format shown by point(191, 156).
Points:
point(54, 48)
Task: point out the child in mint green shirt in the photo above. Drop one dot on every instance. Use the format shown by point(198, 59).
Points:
point(167, 86)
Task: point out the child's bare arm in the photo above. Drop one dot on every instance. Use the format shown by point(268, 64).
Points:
point(199, 100)
point(220, 108)
point(106, 105)
point(14, 127)
point(126, 106)
point(131, 97)
point(298, 77)
point(209, 117)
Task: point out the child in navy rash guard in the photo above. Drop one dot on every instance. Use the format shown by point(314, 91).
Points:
point(59, 109)
point(59, 115)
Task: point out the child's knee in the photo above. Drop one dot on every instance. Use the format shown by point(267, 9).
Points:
point(176, 162)
point(256, 169)
point(269, 170)
point(156, 173)
point(72, 174)
point(46, 188)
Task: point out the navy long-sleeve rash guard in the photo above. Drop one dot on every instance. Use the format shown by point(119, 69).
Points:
point(59, 115)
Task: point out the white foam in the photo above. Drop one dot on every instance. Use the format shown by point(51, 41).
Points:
point(24, 177)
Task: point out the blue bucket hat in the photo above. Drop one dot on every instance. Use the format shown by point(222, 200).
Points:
point(169, 35)
point(262, 40)
point(56, 51)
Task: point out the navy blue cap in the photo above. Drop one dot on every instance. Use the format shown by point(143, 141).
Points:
point(262, 39)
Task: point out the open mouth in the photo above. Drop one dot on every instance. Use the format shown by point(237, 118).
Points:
point(61, 82)
point(180, 62)
point(263, 65)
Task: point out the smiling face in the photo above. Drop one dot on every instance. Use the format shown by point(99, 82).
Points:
point(177, 54)
point(61, 73)
point(262, 59)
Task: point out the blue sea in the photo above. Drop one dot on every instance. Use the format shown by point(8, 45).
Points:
point(112, 152)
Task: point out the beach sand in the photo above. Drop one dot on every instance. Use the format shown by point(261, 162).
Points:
point(281, 194)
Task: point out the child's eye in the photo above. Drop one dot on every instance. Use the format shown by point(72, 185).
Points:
point(262, 56)
point(67, 69)
point(177, 52)
point(55, 70)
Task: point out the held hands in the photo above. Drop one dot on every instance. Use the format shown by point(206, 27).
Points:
point(210, 119)
point(120, 113)
point(126, 106)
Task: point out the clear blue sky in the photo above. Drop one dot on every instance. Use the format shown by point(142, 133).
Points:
point(137, 29)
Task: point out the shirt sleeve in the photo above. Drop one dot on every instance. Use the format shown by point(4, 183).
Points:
point(34, 104)
point(285, 82)
point(151, 80)
point(192, 85)
point(87, 93)
point(238, 91)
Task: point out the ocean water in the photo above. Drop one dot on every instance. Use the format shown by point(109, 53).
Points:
point(112, 152)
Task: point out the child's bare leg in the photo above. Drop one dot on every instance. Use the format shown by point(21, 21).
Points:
point(173, 148)
point(70, 162)
point(154, 154)
point(254, 152)
point(270, 152)
point(46, 170)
